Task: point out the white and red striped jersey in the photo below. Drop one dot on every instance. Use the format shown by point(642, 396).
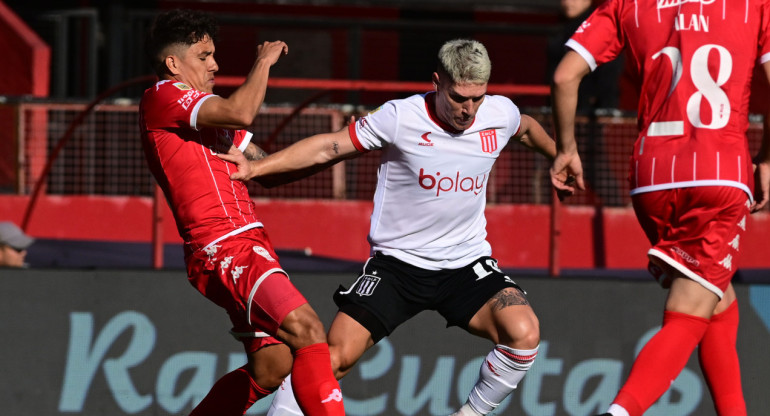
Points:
point(696, 59)
point(432, 180)
point(207, 205)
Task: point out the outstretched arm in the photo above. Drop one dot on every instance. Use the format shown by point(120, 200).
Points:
point(239, 109)
point(566, 81)
point(297, 161)
point(532, 135)
point(762, 162)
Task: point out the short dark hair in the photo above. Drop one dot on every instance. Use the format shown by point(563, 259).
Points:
point(178, 26)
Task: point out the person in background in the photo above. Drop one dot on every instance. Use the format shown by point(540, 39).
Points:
point(13, 245)
point(692, 180)
point(428, 230)
point(229, 257)
point(601, 88)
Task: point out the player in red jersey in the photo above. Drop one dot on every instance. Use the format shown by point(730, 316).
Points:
point(228, 255)
point(691, 172)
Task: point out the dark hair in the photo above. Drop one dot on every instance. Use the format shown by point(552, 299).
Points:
point(179, 26)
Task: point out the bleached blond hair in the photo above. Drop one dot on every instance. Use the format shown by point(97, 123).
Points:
point(465, 61)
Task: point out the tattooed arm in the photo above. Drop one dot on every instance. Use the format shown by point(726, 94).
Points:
point(254, 152)
point(301, 159)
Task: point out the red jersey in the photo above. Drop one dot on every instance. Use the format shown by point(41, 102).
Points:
point(696, 59)
point(207, 205)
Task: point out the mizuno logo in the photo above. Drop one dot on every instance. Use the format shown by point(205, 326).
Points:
point(663, 4)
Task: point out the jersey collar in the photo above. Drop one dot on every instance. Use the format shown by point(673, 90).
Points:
point(430, 106)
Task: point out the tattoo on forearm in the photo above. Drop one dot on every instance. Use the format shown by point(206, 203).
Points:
point(257, 154)
point(507, 297)
point(336, 148)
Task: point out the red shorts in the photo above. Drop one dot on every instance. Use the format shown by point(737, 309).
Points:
point(695, 232)
point(242, 274)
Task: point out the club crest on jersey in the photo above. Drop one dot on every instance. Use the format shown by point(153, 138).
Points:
point(488, 141)
point(182, 86)
point(263, 252)
point(367, 284)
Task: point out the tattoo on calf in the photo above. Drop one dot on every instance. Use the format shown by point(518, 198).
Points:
point(508, 297)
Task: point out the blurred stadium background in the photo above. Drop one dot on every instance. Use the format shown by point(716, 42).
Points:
point(73, 175)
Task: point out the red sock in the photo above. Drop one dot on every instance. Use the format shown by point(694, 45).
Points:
point(719, 362)
point(317, 391)
point(661, 361)
point(232, 395)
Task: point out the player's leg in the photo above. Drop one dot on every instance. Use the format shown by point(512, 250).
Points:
point(266, 300)
point(481, 299)
point(225, 274)
point(719, 359)
point(238, 390)
point(348, 340)
point(510, 323)
point(355, 329)
point(695, 237)
point(314, 385)
point(685, 320)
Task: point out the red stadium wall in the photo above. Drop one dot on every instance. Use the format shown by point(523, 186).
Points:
point(337, 229)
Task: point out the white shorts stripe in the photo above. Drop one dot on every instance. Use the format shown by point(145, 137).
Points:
point(657, 255)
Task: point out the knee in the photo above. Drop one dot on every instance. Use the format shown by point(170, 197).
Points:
point(302, 327)
point(269, 371)
point(523, 333)
point(270, 380)
point(341, 362)
point(281, 369)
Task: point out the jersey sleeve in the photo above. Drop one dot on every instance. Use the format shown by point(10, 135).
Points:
point(376, 129)
point(242, 139)
point(599, 39)
point(514, 117)
point(764, 34)
point(176, 105)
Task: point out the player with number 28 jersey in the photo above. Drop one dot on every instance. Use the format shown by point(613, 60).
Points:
point(691, 175)
point(693, 101)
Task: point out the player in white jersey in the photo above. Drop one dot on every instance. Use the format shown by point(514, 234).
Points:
point(691, 172)
point(428, 230)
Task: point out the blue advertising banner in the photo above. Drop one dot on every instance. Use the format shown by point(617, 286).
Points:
point(135, 342)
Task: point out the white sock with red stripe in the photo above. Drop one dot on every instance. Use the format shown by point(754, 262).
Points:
point(500, 373)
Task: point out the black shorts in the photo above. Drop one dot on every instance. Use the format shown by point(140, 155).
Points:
point(390, 291)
